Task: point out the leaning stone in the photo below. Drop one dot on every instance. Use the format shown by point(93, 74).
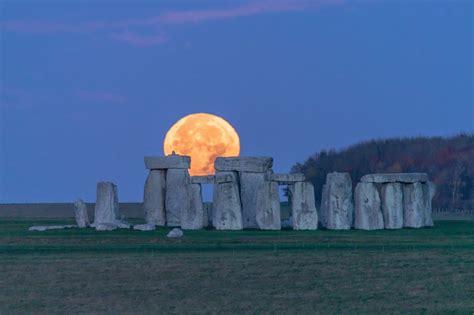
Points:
point(249, 186)
point(392, 205)
point(209, 179)
point(80, 213)
point(286, 179)
point(395, 177)
point(175, 233)
point(303, 208)
point(167, 162)
point(144, 227)
point(268, 207)
point(367, 210)
point(192, 218)
point(244, 164)
point(154, 198)
point(429, 190)
point(106, 206)
point(177, 195)
point(42, 228)
point(227, 207)
point(338, 211)
point(413, 205)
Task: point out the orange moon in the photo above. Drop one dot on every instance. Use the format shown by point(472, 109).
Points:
point(203, 137)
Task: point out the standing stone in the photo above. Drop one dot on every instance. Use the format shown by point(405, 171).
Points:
point(192, 218)
point(106, 205)
point(392, 205)
point(338, 213)
point(303, 208)
point(154, 198)
point(249, 185)
point(413, 205)
point(177, 195)
point(323, 209)
point(80, 213)
point(429, 190)
point(227, 207)
point(367, 210)
point(268, 207)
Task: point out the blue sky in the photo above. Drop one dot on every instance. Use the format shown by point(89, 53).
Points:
point(90, 87)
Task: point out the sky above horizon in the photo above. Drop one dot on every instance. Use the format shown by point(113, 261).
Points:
point(88, 88)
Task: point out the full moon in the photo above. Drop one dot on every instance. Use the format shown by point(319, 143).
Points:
point(203, 137)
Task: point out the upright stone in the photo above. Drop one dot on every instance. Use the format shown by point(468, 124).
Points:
point(392, 205)
point(227, 207)
point(106, 205)
point(249, 185)
point(367, 210)
point(429, 190)
point(268, 207)
point(80, 213)
point(177, 195)
point(338, 213)
point(323, 209)
point(154, 198)
point(192, 218)
point(303, 208)
point(413, 205)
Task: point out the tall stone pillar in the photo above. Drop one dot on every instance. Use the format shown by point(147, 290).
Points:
point(413, 205)
point(337, 207)
point(106, 206)
point(268, 207)
point(154, 198)
point(227, 206)
point(367, 210)
point(192, 218)
point(392, 205)
point(303, 207)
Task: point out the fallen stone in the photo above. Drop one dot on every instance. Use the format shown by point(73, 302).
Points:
point(175, 233)
point(154, 198)
point(286, 179)
point(106, 227)
point(303, 208)
point(413, 205)
point(227, 207)
point(42, 228)
point(249, 185)
point(167, 162)
point(244, 164)
point(144, 227)
point(210, 179)
point(192, 218)
point(80, 213)
point(287, 224)
point(395, 178)
point(429, 190)
point(106, 206)
point(338, 209)
point(177, 195)
point(268, 207)
point(122, 224)
point(367, 211)
point(392, 205)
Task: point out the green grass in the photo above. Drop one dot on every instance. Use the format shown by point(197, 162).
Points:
point(208, 271)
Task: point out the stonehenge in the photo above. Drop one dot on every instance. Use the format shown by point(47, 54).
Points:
point(337, 208)
point(367, 207)
point(303, 208)
point(80, 213)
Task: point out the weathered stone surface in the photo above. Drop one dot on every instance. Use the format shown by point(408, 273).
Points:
point(244, 164)
point(177, 195)
point(286, 179)
point(80, 213)
point(395, 177)
point(175, 233)
point(192, 218)
point(367, 210)
point(122, 224)
point(42, 228)
point(227, 206)
point(224, 177)
point(429, 190)
point(106, 206)
point(144, 227)
point(337, 209)
point(268, 207)
point(303, 208)
point(413, 205)
point(210, 179)
point(249, 185)
point(392, 205)
point(166, 162)
point(154, 198)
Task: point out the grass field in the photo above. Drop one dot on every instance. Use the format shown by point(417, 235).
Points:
point(83, 271)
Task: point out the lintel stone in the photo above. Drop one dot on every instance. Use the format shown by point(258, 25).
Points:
point(166, 162)
point(209, 179)
point(244, 164)
point(286, 179)
point(395, 178)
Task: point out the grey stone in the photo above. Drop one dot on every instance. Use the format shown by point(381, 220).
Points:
point(144, 227)
point(268, 207)
point(249, 185)
point(323, 209)
point(287, 224)
point(367, 211)
point(227, 206)
point(392, 205)
point(154, 198)
point(209, 179)
point(80, 213)
point(42, 228)
point(395, 177)
point(122, 224)
point(286, 179)
point(413, 205)
point(429, 190)
point(192, 218)
point(177, 195)
point(224, 177)
point(175, 233)
point(338, 210)
point(244, 164)
point(106, 206)
point(303, 208)
point(167, 162)
point(106, 226)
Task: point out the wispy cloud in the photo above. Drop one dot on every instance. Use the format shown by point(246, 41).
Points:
point(138, 39)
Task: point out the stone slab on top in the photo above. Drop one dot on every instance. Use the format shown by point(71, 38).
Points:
point(395, 178)
point(166, 162)
point(244, 164)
